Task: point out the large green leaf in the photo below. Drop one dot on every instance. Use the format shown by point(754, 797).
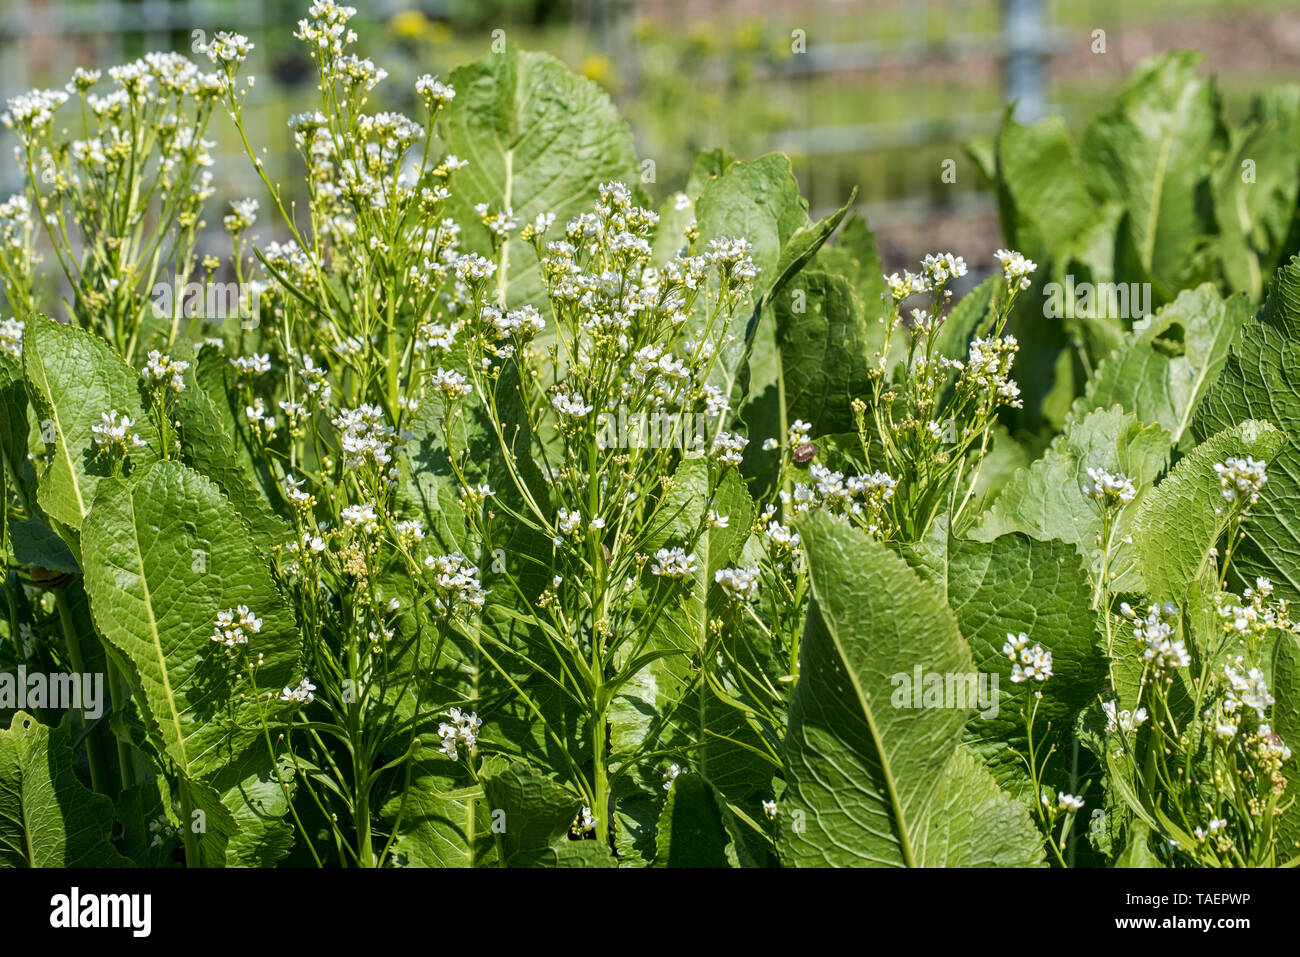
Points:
point(535, 815)
point(47, 818)
point(164, 555)
point(1261, 380)
point(1255, 190)
point(1016, 584)
point(868, 782)
point(1170, 360)
point(1047, 500)
point(825, 350)
point(539, 140)
point(74, 378)
point(691, 830)
point(1184, 516)
point(1152, 154)
point(440, 820)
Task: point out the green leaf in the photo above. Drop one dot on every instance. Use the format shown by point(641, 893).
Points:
point(1047, 500)
point(442, 824)
point(824, 348)
point(1184, 516)
point(691, 832)
point(73, 379)
point(47, 818)
point(1170, 360)
point(210, 449)
point(861, 773)
point(13, 414)
point(537, 814)
point(164, 555)
point(1255, 190)
point(1261, 380)
point(1286, 724)
point(538, 139)
point(1016, 584)
point(1151, 153)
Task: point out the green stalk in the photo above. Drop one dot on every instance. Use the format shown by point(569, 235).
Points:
point(101, 777)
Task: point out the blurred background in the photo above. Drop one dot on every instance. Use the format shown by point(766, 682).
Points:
point(878, 94)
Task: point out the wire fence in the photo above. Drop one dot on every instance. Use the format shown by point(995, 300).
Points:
point(876, 94)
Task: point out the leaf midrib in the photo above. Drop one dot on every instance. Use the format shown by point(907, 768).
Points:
point(900, 818)
point(157, 640)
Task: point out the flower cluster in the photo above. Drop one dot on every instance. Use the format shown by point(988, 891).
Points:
point(1154, 634)
point(116, 433)
point(1241, 479)
point(165, 371)
point(300, 695)
point(674, 563)
point(456, 583)
point(1027, 664)
point(1016, 269)
point(234, 627)
point(1112, 489)
point(739, 583)
point(461, 732)
point(1122, 720)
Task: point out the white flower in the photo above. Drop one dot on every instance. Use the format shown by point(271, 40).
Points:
point(570, 404)
point(739, 583)
point(301, 694)
point(584, 823)
point(227, 49)
point(1111, 488)
point(115, 432)
point(568, 521)
point(434, 90)
point(671, 775)
point(674, 563)
point(463, 730)
point(456, 582)
point(450, 383)
point(1217, 824)
point(1241, 479)
point(1015, 267)
point(1027, 664)
point(363, 517)
point(161, 369)
point(729, 448)
point(11, 337)
point(365, 436)
point(254, 364)
point(235, 626)
point(769, 808)
point(771, 445)
point(1122, 720)
point(1069, 802)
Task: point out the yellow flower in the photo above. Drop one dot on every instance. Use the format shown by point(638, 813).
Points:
point(599, 69)
point(409, 24)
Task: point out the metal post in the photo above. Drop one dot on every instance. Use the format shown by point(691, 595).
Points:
point(1024, 32)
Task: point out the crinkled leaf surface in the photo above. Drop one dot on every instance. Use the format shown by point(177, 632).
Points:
point(47, 817)
point(537, 139)
point(72, 379)
point(166, 554)
point(869, 783)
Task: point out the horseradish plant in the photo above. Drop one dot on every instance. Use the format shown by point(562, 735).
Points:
point(503, 520)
